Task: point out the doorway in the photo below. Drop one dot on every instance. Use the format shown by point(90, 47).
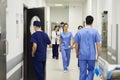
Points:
point(29, 16)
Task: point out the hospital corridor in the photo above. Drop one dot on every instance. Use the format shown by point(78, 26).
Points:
point(54, 69)
point(59, 40)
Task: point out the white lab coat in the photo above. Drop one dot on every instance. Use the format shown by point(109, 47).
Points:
point(54, 36)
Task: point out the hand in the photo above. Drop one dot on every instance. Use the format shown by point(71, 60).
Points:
point(60, 49)
point(50, 46)
point(33, 55)
point(71, 47)
point(76, 55)
point(97, 58)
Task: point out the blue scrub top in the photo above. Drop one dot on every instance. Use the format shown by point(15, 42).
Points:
point(66, 40)
point(86, 39)
point(41, 39)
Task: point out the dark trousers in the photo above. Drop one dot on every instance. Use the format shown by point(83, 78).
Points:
point(55, 51)
point(39, 67)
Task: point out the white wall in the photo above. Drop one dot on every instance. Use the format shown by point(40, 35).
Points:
point(14, 28)
point(75, 18)
point(34, 3)
point(112, 6)
point(58, 14)
point(71, 15)
point(107, 5)
point(48, 29)
point(117, 21)
point(88, 7)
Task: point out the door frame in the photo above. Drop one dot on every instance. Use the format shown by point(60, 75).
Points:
point(24, 42)
point(3, 53)
point(26, 58)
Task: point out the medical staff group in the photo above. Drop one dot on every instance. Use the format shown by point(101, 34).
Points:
point(87, 44)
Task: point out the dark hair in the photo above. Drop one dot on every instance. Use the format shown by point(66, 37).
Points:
point(62, 23)
point(65, 24)
point(37, 23)
point(80, 26)
point(55, 27)
point(89, 20)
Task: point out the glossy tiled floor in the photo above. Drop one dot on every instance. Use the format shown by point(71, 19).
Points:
point(54, 69)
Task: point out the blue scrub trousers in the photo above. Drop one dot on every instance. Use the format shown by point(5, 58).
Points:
point(66, 57)
point(86, 69)
point(39, 67)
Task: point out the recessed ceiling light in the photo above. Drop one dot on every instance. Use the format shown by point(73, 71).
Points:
point(58, 4)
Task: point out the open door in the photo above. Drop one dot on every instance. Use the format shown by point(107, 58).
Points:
point(30, 15)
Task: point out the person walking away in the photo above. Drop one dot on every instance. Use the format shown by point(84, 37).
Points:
point(39, 40)
point(87, 40)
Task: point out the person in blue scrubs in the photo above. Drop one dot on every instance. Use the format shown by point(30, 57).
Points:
point(87, 40)
point(65, 46)
point(39, 41)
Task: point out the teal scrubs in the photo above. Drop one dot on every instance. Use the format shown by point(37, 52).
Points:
point(86, 39)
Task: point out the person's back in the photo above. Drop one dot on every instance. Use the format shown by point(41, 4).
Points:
point(42, 41)
point(87, 42)
point(39, 41)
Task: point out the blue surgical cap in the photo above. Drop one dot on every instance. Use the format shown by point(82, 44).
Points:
point(37, 23)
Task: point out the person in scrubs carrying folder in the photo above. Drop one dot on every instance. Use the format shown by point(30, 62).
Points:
point(87, 40)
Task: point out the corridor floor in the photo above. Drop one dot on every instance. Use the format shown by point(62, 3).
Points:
point(54, 68)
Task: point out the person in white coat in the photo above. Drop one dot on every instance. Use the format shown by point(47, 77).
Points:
point(55, 42)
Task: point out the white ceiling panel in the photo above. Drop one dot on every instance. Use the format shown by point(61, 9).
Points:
point(64, 2)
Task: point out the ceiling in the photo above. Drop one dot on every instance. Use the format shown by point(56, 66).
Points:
point(65, 2)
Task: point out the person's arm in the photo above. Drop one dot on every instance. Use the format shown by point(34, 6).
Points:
point(50, 45)
point(98, 46)
point(60, 41)
point(76, 49)
point(48, 41)
point(72, 43)
point(34, 48)
point(60, 44)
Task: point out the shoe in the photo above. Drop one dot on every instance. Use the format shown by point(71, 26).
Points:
point(53, 57)
point(56, 58)
point(65, 71)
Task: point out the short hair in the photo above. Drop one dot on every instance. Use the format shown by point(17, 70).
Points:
point(37, 23)
point(89, 19)
point(65, 24)
point(79, 27)
point(62, 23)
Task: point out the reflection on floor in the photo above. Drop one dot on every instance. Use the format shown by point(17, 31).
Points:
point(54, 68)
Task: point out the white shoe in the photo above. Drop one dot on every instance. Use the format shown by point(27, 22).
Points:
point(65, 71)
